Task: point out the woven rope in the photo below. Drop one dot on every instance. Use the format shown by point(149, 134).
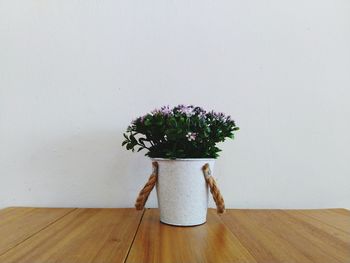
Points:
point(146, 190)
point(218, 199)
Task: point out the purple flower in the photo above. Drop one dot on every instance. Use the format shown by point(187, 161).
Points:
point(187, 110)
point(165, 110)
point(219, 116)
point(155, 111)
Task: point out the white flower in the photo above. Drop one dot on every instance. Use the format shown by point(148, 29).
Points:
point(191, 136)
point(188, 111)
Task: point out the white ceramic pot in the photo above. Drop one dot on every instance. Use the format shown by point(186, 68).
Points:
point(182, 191)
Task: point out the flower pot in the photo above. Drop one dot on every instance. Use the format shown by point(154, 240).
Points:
point(182, 191)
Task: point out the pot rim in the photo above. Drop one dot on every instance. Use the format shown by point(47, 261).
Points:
point(183, 159)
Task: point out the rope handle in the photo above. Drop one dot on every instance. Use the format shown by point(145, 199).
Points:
point(214, 190)
point(146, 190)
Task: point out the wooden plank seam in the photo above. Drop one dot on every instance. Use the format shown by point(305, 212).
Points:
point(37, 232)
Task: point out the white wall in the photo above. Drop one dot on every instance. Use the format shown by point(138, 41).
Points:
point(74, 73)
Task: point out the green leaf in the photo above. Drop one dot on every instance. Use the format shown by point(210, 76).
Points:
point(141, 148)
point(148, 122)
point(133, 139)
point(129, 146)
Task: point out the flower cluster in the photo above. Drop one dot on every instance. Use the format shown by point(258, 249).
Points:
point(183, 131)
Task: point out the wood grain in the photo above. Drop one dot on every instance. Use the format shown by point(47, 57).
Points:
point(35, 235)
point(211, 242)
point(339, 218)
point(19, 223)
point(288, 236)
point(84, 235)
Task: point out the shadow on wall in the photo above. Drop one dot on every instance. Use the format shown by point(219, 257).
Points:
point(84, 170)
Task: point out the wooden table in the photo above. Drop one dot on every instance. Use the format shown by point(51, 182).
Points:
point(65, 235)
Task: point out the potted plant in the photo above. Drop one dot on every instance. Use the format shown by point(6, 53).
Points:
point(182, 143)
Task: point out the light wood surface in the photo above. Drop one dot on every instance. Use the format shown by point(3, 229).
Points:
point(288, 236)
point(210, 242)
point(18, 224)
point(45, 235)
point(84, 235)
